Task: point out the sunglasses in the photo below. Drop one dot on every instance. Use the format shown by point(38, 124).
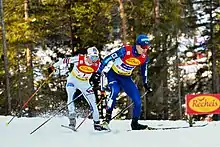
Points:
point(145, 46)
point(94, 58)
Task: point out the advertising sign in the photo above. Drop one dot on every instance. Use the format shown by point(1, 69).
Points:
point(203, 104)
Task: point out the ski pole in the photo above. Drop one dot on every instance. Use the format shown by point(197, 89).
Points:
point(126, 107)
point(20, 111)
point(87, 116)
point(55, 114)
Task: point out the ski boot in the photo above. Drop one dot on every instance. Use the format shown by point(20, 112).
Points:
point(98, 126)
point(72, 120)
point(136, 126)
point(107, 120)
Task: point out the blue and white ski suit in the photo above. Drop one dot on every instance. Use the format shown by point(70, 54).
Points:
point(119, 76)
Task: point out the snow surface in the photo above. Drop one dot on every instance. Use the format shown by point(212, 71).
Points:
point(17, 134)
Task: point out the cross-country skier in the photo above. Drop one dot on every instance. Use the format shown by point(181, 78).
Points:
point(84, 66)
point(119, 76)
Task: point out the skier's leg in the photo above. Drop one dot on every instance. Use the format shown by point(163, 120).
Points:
point(71, 89)
point(132, 91)
point(91, 99)
point(111, 100)
point(114, 90)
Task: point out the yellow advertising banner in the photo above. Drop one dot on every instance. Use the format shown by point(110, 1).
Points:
point(203, 104)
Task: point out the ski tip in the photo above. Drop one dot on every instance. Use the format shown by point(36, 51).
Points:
point(73, 129)
point(7, 124)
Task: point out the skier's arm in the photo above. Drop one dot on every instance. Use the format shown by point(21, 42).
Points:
point(144, 71)
point(117, 54)
point(66, 61)
point(62, 61)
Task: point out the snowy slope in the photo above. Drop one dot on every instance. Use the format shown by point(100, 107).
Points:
point(17, 134)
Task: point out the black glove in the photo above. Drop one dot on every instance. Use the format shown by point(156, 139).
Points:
point(95, 79)
point(51, 69)
point(147, 88)
point(96, 76)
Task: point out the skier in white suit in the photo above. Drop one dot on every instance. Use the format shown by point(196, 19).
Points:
point(84, 67)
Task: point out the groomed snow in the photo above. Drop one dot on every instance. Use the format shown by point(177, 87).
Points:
point(17, 134)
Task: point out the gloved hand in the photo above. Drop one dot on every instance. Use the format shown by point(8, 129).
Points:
point(95, 79)
point(96, 76)
point(51, 69)
point(147, 88)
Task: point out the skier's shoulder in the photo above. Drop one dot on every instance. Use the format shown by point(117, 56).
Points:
point(116, 52)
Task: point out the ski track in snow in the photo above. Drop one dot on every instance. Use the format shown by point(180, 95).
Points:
point(17, 134)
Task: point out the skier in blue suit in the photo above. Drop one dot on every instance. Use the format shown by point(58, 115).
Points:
point(119, 76)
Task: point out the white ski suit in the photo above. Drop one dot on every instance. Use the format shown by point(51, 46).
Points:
point(79, 79)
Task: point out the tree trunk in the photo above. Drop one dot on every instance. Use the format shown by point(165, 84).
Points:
point(71, 34)
point(213, 49)
point(179, 84)
point(29, 54)
point(19, 80)
point(69, 5)
point(156, 18)
point(5, 58)
point(123, 23)
point(26, 10)
point(214, 71)
point(156, 11)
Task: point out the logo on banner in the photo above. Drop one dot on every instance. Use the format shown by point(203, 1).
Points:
point(204, 103)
